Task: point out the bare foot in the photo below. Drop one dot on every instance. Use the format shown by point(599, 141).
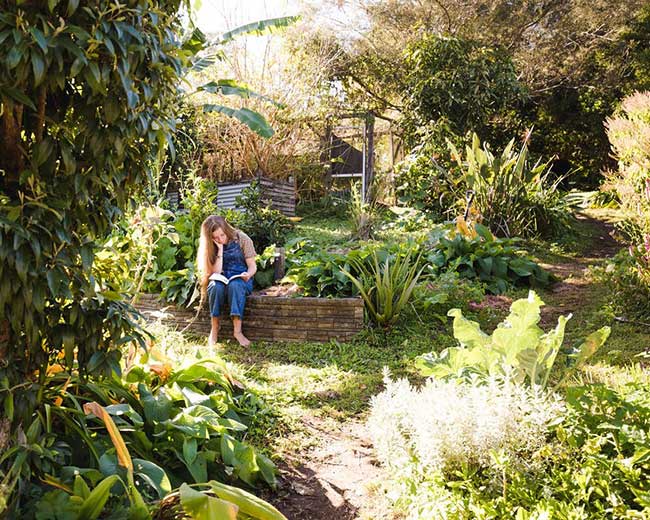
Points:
point(243, 340)
point(213, 338)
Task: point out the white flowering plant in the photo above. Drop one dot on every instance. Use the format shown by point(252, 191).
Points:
point(426, 435)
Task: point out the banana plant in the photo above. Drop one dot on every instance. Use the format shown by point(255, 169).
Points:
point(207, 52)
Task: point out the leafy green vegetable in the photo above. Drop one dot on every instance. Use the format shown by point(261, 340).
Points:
point(518, 347)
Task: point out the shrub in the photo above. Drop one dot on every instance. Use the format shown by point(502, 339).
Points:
point(628, 290)
point(428, 179)
point(170, 422)
point(511, 195)
point(258, 220)
point(629, 134)
point(476, 254)
point(320, 273)
point(386, 286)
point(445, 291)
point(363, 214)
point(445, 425)
point(470, 85)
point(448, 429)
point(84, 116)
point(518, 348)
point(595, 465)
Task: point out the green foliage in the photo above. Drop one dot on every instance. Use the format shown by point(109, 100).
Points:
point(180, 423)
point(628, 292)
point(206, 53)
point(255, 217)
point(317, 271)
point(512, 196)
point(185, 151)
point(470, 85)
point(84, 115)
point(80, 504)
point(497, 262)
point(428, 179)
point(386, 287)
point(265, 275)
point(320, 272)
point(222, 501)
point(362, 213)
point(595, 466)
point(447, 290)
point(518, 348)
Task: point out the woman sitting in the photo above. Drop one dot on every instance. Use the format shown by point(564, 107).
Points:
point(225, 252)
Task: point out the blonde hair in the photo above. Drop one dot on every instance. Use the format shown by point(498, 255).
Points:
point(207, 253)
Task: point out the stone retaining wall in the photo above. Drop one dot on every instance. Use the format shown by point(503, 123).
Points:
point(271, 318)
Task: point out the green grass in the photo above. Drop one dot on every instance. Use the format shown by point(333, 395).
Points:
point(324, 231)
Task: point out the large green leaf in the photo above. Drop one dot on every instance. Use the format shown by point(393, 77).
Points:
point(591, 344)
point(519, 331)
point(517, 347)
point(468, 332)
point(92, 506)
point(248, 503)
point(204, 507)
point(154, 475)
point(258, 28)
point(17, 95)
point(231, 87)
point(253, 120)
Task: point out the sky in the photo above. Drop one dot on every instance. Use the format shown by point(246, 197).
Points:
point(217, 16)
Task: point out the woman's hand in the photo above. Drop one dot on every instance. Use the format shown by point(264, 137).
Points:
point(246, 276)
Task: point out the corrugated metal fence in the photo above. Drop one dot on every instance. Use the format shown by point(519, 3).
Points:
point(281, 194)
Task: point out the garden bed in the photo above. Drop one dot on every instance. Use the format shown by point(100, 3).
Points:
point(270, 318)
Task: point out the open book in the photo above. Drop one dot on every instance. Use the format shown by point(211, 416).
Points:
point(221, 278)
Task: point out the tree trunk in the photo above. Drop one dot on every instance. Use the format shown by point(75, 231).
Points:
point(11, 156)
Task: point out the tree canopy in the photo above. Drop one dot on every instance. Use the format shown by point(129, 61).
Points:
point(85, 91)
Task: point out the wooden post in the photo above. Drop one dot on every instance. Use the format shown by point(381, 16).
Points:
point(278, 264)
point(326, 155)
point(369, 139)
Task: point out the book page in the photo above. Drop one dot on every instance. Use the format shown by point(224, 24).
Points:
point(219, 277)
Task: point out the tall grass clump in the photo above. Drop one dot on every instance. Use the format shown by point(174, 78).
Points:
point(512, 195)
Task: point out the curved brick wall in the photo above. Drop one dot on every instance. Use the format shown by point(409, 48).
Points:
point(271, 318)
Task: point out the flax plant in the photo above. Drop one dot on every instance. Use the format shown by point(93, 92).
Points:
point(387, 286)
point(512, 196)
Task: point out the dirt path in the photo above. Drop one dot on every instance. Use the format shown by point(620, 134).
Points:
point(329, 482)
point(573, 288)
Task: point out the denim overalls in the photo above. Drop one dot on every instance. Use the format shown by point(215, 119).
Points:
point(233, 263)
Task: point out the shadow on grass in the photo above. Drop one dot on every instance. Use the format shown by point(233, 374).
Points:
point(338, 378)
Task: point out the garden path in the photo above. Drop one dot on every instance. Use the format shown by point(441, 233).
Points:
point(574, 288)
point(329, 482)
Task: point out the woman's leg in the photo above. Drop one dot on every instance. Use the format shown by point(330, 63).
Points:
point(238, 289)
point(237, 332)
point(216, 297)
